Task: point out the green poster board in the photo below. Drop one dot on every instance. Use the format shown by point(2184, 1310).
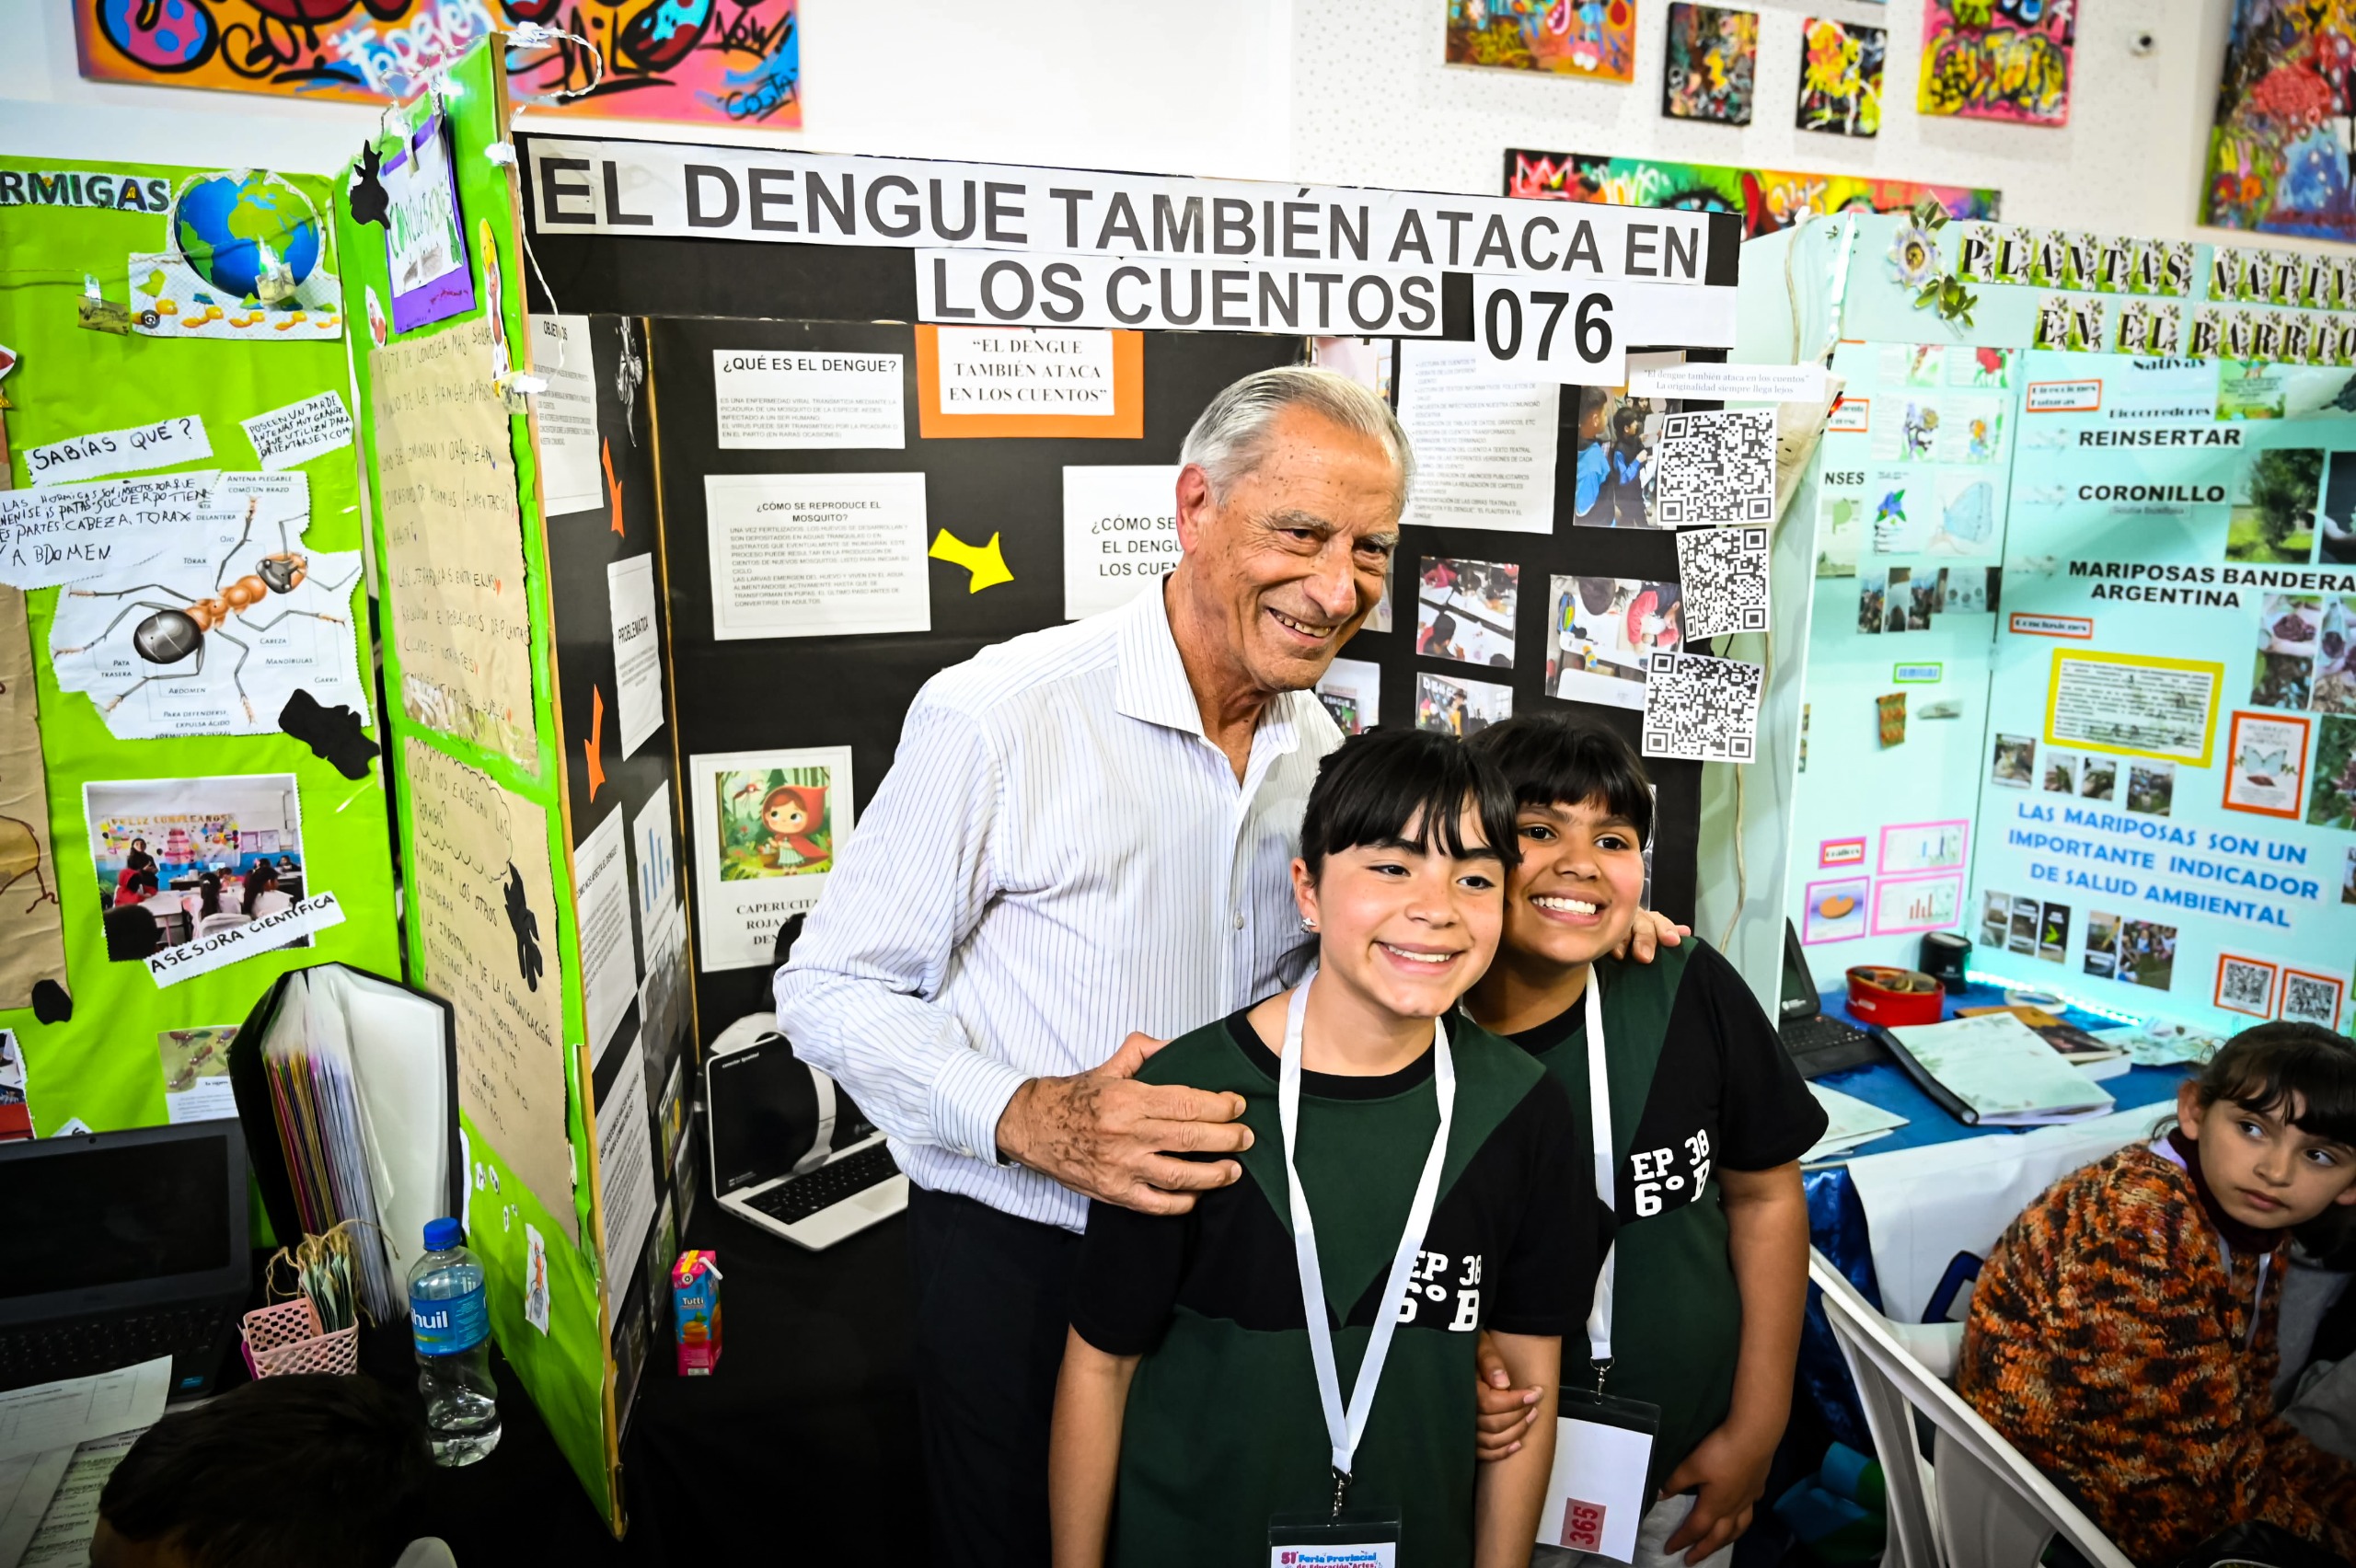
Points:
point(103, 1068)
point(539, 1240)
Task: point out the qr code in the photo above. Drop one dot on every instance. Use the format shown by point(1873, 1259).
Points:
point(1716, 467)
point(2244, 986)
point(1722, 573)
point(1702, 709)
point(2311, 999)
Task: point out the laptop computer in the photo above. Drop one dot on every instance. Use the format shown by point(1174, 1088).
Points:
point(123, 1247)
point(1817, 1042)
point(789, 1152)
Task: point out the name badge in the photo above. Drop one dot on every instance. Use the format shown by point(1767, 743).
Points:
point(1595, 1496)
point(1357, 1538)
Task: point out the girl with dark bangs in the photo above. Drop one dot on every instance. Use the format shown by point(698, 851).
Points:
point(2122, 1332)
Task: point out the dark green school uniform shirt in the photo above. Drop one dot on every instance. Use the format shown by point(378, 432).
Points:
point(1223, 1426)
point(1698, 1081)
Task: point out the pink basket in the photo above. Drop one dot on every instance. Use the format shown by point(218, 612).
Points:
point(286, 1338)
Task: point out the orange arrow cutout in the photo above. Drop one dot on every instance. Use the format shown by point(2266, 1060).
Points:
point(605, 456)
point(596, 734)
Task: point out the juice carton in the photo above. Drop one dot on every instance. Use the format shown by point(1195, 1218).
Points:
point(695, 1308)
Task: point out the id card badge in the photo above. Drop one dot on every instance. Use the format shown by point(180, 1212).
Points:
point(1603, 1451)
point(1356, 1537)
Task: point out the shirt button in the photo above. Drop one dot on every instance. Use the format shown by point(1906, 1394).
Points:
point(1239, 919)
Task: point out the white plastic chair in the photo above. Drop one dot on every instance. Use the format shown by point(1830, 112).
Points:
point(1978, 1504)
point(224, 921)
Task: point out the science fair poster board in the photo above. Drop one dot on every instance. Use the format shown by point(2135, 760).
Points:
point(506, 710)
point(2172, 704)
point(183, 517)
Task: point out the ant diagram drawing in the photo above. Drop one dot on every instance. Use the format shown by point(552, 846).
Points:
point(157, 639)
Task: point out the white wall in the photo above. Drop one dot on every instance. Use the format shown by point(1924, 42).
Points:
point(1375, 104)
point(1181, 86)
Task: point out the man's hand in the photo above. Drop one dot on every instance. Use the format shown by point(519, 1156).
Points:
point(1105, 1135)
point(1730, 1472)
point(1505, 1411)
point(1652, 931)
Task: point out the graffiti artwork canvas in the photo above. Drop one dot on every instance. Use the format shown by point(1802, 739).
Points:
point(1998, 59)
point(2278, 150)
point(1768, 199)
point(1840, 76)
point(1579, 38)
point(698, 62)
point(1712, 61)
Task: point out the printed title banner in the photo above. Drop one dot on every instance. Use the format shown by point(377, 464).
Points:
point(674, 189)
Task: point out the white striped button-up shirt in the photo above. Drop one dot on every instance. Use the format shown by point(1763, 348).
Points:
point(1058, 855)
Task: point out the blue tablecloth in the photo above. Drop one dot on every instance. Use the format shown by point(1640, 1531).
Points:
point(1837, 1220)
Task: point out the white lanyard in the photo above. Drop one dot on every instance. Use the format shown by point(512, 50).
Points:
point(1344, 1428)
point(1607, 1185)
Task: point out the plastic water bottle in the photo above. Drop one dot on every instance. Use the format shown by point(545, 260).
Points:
point(450, 1316)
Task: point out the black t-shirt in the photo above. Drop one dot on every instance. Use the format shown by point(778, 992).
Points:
point(1698, 1080)
point(1223, 1426)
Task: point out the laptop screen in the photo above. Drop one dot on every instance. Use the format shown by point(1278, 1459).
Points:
point(764, 1111)
point(1799, 999)
point(82, 1216)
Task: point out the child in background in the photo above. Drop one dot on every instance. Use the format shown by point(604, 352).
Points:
point(1190, 1383)
point(2122, 1333)
point(1709, 1118)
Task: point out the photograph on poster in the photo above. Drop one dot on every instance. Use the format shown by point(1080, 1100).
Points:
point(766, 825)
point(2331, 801)
point(2053, 933)
point(2016, 760)
point(1617, 436)
point(1713, 62)
point(2147, 953)
point(16, 1116)
point(1603, 632)
point(2310, 998)
point(1924, 846)
point(2097, 779)
point(177, 860)
point(1996, 919)
point(2335, 524)
point(2245, 985)
point(1351, 690)
point(1836, 911)
point(1898, 614)
point(2061, 773)
point(2151, 788)
point(1379, 618)
point(1464, 610)
point(196, 1072)
point(1451, 706)
point(2334, 690)
point(1906, 905)
point(2282, 680)
point(1924, 592)
point(2021, 936)
point(2102, 946)
point(1873, 597)
point(2274, 501)
point(2266, 764)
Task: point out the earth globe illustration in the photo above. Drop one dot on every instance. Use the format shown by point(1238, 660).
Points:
point(241, 232)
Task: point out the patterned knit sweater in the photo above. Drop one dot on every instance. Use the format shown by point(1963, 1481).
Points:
point(2110, 1343)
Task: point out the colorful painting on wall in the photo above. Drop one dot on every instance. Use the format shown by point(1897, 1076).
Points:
point(1592, 38)
point(1998, 59)
point(701, 61)
point(1840, 76)
point(1712, 61)
point(1768, 199)
point(2277, 156)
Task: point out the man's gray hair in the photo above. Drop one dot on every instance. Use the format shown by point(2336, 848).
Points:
point(1231, 437)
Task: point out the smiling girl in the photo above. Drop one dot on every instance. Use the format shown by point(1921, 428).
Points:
point(1303, 1340)
point(2122, 1331)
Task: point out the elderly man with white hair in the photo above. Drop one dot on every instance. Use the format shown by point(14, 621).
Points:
point(1086, 837)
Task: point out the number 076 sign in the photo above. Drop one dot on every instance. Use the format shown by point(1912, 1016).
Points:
point(1561, 329)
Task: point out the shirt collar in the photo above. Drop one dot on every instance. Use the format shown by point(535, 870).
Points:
point(1153, 684)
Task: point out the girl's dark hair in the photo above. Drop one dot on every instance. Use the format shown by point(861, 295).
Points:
point(209, 893)
point(2265, 1067)
point(1382, 781)
point(1551, 758)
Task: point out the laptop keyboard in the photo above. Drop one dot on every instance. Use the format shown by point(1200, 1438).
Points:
point(799, 1198)
point(1805, 1036)
point(28, 1356)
